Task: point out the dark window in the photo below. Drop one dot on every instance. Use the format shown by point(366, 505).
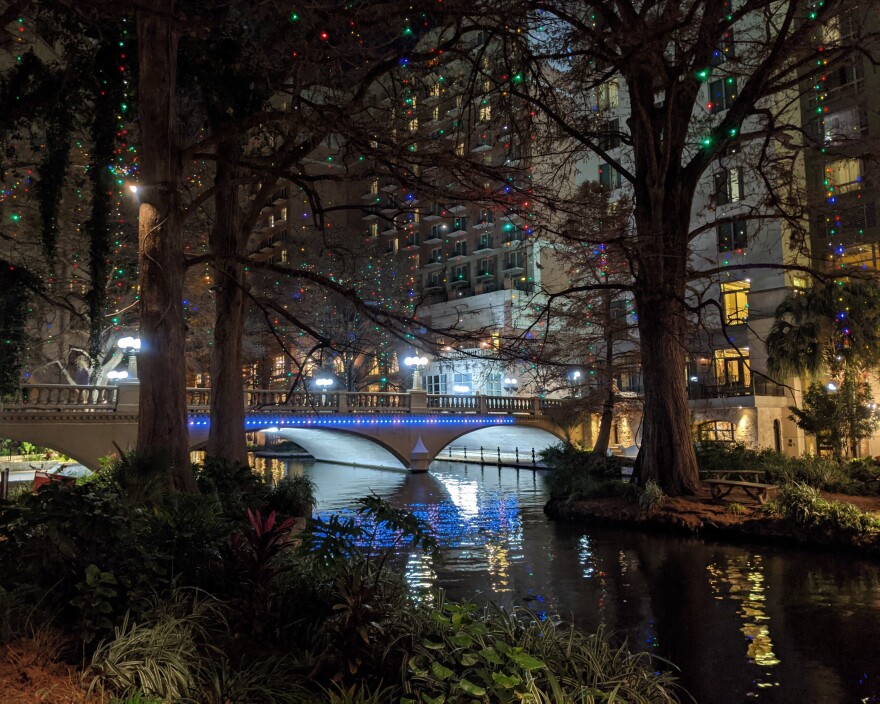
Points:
point(722, 93)
point(609, 177)
point(732, 235)
point(728, 186)
point(724, 51)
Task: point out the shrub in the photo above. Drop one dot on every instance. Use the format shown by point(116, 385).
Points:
point(575, 473)
point(802, 505)
point(736, 508)
point(292, 496)
point(234, 485)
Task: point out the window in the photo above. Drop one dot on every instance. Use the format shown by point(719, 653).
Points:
point(486, 216)
point(735, 302)
point(485, 267)
point(459, 224)
point(435, 113)
point(279, 368)
point(485, 241)
point(284, 256)
point(843, 176)
point(728, 186)
point(485, 113)
point(514, 260)
point(724, 51)
point(460, 248)
point(732, 235)
point(840, 28)
point(722, 93)
point(611, 137)
point(374, 229)
point(842, 125)
point(460, 273)
point(434, 280)
point(459, 149)
point(492, 385)
point(732, 368)
point(437, 231)
point(435, 91)
point(413, 125)
point(271, 221)
point(860, 256)
point(847, 75)
point(609, 177)
point(374, 186)
point(413, 240)
point(463, 381)
point(436, 256)
point(607, 96)
point(435, 384)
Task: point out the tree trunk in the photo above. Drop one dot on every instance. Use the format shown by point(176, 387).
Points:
point(226, 439)
point(667, 453)
point(600, 447)
point(162, 418)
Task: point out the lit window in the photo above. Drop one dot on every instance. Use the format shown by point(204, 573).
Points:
point(735, 302)
point(374, 229)
point(732, 368)
point(728, 186)
point(413, 125)
point(435, 384)
point(485, 113)
point(279, 368)
point(842, 125)
point(843, 176)
point(608, 95)
point(284, 256)
point(609, 177)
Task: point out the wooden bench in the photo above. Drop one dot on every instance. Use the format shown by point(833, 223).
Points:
point(722, 487)
point(739, 475)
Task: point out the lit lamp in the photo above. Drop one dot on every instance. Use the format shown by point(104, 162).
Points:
point(460, 389)
point(130, 346)
point(416, 363)
point(832, 387)
point(510, 385)
point(324, 383)
point(117, 375)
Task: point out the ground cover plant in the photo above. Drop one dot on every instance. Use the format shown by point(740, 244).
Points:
point(213, 598)
point(577, 473)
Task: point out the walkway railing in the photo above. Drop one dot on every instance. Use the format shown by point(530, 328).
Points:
point(59, 397)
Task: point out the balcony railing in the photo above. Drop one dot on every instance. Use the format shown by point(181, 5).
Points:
point(756, 387)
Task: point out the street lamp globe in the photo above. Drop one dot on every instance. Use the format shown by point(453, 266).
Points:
point(511, 384)
point(130, 346)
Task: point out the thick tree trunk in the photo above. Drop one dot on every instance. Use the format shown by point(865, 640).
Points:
point(603, 438)
point(226, 438)
point(162, 419)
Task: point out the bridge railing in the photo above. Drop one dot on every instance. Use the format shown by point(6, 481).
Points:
point(453, 402)
point(51, 397)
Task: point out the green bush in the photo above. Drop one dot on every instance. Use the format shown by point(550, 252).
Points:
point(575, 473)
point(803, 505)
point(292, 496)
point(235, 486)
point(824, 473)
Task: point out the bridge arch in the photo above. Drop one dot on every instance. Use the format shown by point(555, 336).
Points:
point(84, 445)
point(344, 446)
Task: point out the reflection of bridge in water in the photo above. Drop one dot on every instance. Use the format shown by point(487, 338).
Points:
point(367, 428)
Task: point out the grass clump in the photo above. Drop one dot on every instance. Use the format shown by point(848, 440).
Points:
point(735, 508)
point(803, 505)
point(651, 495)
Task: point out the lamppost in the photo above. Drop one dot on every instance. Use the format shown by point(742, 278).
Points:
point(117, 375)
point(417, 363)
point(324, 383)
point(130, 347)
point(510, 385)
point(575, 377)
point(461, 389)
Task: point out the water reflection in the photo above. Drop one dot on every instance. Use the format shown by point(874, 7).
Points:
point(744, 623)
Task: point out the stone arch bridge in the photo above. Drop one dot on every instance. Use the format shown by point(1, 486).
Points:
point(407, 430)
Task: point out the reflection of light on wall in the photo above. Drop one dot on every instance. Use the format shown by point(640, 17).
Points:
point(742, 580)
point(499, 563)
point(420, 575)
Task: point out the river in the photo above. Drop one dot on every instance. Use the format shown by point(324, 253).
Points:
point(743, 622)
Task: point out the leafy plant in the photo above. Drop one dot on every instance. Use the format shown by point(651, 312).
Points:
point(462, 655)
point(804, 506)
point(576, 473)
point(651, 495)
point(736, 508)
point(234, 485)
point(292, 496)
point(96, 603)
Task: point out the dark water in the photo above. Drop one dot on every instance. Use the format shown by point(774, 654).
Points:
point(744, 623)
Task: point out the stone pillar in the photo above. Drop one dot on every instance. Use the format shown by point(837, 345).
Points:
point(418, 401)
point(482, 405)
point(342, 402)
point(536, 405)
point(419, 458)
point(127, 395)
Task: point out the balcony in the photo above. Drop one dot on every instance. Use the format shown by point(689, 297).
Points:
point(698, 390)
point(456, 209)
point(279, 196)
point(411, 245)
point(512, 268)
point(389, 232)
point(434, 262)
point(485, 275)
point(459, 283)
point(484, 225)
point(484, 246)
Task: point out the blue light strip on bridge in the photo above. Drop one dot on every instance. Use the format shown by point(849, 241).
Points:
point(282, 422)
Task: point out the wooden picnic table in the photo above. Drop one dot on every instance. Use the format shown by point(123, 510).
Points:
point(753, 475)
point(755, 490)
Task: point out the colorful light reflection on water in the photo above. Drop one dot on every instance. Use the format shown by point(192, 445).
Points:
point(744, 623)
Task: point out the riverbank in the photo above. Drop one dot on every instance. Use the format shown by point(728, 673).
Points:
point(705, 517)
